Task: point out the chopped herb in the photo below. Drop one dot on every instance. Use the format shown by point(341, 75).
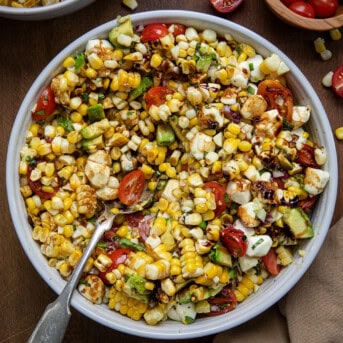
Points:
point(102, 245)
point(203, 225)
point(126, 243)
point(251, 90)
point(226, 198)
point(251, 66)
point(101, 96)
point(203, 58)
point(260, 241)
point(286, 125)
point(84, 282)
point(66, 123)
point(85, 97)
point(31, 160)
point(92, 220)
point(188, 320)
point(79, 61)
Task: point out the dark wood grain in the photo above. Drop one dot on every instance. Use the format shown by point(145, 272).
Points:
point(25, 48)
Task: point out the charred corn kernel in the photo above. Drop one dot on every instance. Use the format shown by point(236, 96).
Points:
point(234, 128)
point(335, 34)
point(83, 109)
point(285, 255)
point(156, 60)
point(76, 117)
point(44, 149)
point(149, 285)
point(34, 129)
point(72, 78)
point(209, 215)
point(102, 262)
point(95, 61)
point(244, 146)
point(193, 219)
point(230, 145)
point(89, 265)
point(122, 231)
point(111, 278)
point(65, 269)
point(68, 230)
point(213, 233)
point(159, 226)
point(242, 57)
point(339, 133)
point(68, 62)
point(162, 204)
point(302, 194)
point(91, 73)
point(60, 220)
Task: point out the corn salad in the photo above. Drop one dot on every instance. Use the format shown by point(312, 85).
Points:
point(211, 126)
point(28, 3)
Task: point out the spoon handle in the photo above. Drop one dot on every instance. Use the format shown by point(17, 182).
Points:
point(54, 321)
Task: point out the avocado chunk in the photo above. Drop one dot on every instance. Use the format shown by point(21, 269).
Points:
point(91, 145)
point(298, 222)
point(125, 28)
point(203, 307)
point(143, 86)
point(95, 129)
point(164, 135)
point(95, 113)
point(220, 255)
point(135, 288)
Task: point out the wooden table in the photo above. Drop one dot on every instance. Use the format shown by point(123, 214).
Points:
point(25, 48)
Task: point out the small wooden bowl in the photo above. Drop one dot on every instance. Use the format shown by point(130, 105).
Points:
point(316, 24)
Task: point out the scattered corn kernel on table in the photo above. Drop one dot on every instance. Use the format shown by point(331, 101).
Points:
point(26, 47)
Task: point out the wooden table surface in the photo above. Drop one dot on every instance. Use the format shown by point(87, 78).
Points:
point(26, 47)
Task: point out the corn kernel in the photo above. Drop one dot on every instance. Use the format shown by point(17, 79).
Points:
point(339, 133)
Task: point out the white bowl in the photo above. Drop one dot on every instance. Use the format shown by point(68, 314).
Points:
point(44, 12)
point(275, 287)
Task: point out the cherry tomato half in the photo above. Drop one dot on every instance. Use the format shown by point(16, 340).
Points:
point(302, 8)
point(156, 95)
point(37, 186)
point(224, 302)
point(225, 6)
point(152, 32)
point(219, 195)
point(270, 261)
point(45, 105)
point(307, 204)
point(337, 81)
point(118, 257)
point(324, 8)
point(131, 187)
point(278, 97)
point(234, 241)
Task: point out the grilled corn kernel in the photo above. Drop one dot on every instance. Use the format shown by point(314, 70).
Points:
point(339, 133)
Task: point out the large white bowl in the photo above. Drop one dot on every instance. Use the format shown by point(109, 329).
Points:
point(44, 12)
point(275, 287)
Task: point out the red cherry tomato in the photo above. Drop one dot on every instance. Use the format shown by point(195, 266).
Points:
point(178, 29)
point(307, 204)
point(225, 6)
point(37, 186)
point(45, 105)
point(337, 81)
point(131, 187)
point(302, 8)
point(288, 2)
point(118, 257)
point(234, 241)
point(219, 195)
point(270, 261)
point(278, 97)
point(224, 302)
point(324, 8)
point(156, 95)
point(152, 32)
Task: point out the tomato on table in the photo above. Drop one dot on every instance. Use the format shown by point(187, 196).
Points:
point(45, 105)
point(337, 81)
point(234, 240)
point(224, 302)
point(302, 8)
point(152, 32)
point(37, 186)
point(270, 261)
point(131, 187)
point(278, 97)
point(156, 95)
point(226, 6)
point(219, 195)
point(324, 8)
point(118, 257)
point(288, 2)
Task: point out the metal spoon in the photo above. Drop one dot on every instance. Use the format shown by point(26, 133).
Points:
point(54, 321)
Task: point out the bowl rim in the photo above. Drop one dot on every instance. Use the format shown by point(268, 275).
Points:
point(275, 288)
point(43, 12)
point(294, 19)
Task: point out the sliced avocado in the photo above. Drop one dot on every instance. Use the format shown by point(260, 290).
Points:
point(298, 222)
point(95, 129)
point(91, 145)
point(125, 28)
point(143, 86)
point(165, 135)
point(135, 288)
point(220, 255)
point(184, 296)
